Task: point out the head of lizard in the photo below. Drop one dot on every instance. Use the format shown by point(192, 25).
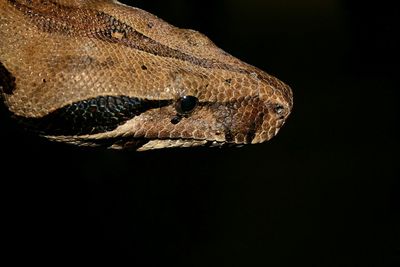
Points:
point(118, 76)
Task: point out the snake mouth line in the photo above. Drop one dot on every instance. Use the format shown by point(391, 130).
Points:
point(183, 143)
point(139, 144)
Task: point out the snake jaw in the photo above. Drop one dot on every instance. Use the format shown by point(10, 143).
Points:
point(171, 143)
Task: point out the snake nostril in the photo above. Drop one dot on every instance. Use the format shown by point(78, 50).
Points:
point(279, 110)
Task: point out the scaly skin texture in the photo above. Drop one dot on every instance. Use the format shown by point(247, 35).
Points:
point(59, 56)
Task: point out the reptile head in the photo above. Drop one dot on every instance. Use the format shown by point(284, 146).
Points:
point(193, 109)
point(113, 75)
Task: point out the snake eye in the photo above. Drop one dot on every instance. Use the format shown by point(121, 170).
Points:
point(186, 104)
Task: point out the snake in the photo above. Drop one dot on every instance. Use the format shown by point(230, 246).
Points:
point(100, 73)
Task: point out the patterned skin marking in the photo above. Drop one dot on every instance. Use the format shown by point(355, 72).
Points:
point(91, 116)
point(56, 18)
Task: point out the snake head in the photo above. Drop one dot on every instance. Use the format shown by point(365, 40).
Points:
point(119, 77)
point(193, 109)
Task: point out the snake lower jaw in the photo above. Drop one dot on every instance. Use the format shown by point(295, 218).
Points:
point(141, 144)
point(172, 143)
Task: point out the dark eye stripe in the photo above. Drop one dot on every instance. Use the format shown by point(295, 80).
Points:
point(91, 116)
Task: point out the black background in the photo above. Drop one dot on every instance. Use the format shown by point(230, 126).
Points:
point(324, 192)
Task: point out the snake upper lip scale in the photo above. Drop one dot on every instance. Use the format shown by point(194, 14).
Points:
point(100, 73)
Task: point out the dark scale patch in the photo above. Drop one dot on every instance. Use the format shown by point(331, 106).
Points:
point(7, 81)
point(254, 127)
point(229, 138)
point(251, 134)
point(228, 81)
point(177, 119)
point(91, 116)
point(150, 25)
